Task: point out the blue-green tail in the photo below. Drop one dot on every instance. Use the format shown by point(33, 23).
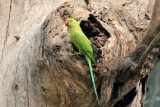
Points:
point(92, 77)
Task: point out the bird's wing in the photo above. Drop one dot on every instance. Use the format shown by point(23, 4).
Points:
point(85, 45)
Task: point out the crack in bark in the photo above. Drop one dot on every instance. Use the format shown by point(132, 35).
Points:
point(7, 31)
point(87, 2)
point(119, 45)
point(8, 24)
point(27, 81)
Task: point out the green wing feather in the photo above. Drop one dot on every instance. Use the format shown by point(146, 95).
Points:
point(85, 46)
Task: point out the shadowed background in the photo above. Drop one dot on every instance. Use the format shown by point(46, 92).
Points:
point(153, 97)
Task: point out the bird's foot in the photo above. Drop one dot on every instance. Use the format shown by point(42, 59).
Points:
point(76, 53)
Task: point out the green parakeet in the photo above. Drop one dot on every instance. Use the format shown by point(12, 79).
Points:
point(84, 46)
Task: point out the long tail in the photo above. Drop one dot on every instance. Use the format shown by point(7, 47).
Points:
point(92, 77)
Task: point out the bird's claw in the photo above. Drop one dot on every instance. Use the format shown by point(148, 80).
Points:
point(76, 53)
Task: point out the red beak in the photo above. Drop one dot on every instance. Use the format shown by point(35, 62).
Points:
point(66, 23)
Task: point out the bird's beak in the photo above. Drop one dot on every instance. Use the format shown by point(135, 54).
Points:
point(66, 23)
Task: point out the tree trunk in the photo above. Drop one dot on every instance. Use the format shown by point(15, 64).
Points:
point(38, 70)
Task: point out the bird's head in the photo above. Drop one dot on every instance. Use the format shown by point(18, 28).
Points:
point(71, 23)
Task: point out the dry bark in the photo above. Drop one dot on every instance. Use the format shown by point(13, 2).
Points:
point(38, 70)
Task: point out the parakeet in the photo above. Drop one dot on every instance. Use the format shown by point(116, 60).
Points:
point(84, 46)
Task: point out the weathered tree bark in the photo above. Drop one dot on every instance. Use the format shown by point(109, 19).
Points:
point(38, 70)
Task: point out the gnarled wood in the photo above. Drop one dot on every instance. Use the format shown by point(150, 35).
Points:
point(38, 70)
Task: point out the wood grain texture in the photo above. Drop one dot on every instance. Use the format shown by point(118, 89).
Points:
point(36, 65)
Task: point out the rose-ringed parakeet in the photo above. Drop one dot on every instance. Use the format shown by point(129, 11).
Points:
point(84, 46)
